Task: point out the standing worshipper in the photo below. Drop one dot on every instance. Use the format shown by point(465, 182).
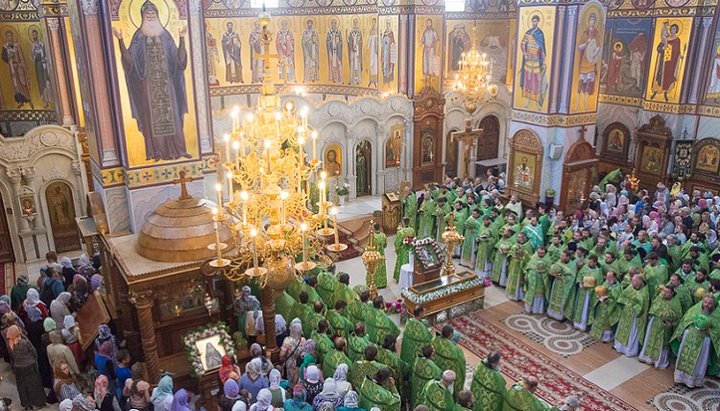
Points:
point(85, 267)
point(162, 395)
point(351, 402)
point(606, 311)
point(59, 308)
point(342, 385)
point(180, 401)
point(380, 391)
point(415, 336)
point(136, 389)
point(253, 381)
point(278, 393)
point(635, 302)
point(312, 383)
point(402, 250)
point(587, 278)
point(502, 258)
point(438, 394)
point(105, 334)
point(442, 209)
point(104, 400)
point(665, 312)
point(521, 397)
point(246, 308)
point(424, 370)
point(71, 336)
point(469, 246)
point(656, 274)
point(380, 241)
point(448, 356)
point(33, 313)
point(264, 401)
point(534, 232)
point(336, 358)
point(105, 364)
point(516, 272)
point(378, 323)
point(358, 343)
point(695, 338)
point(410, 207)
point(328, 394)
point(68, 271)
point(58, 352)
point(562, 286)
point(230, 395)
point(488, 384)
point(19, 292)
point(23, 358)
point(483, 260)
point(297, 402)
point(427, 216)
point(536, 281)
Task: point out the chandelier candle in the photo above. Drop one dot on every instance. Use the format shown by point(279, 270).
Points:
point(226, 139)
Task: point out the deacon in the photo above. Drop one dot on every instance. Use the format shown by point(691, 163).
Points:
point(449, 356)
point(697, 339)
point(488, 384)
point(664, 314)
point(635, 301)
point(402, 250)
point(606, 310)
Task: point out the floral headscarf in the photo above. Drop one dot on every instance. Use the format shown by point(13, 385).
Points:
point(351, 399)
point(341, 372)
point(32, 300)
point(274, 379)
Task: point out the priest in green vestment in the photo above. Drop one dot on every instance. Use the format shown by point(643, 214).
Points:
point(488, 384)
point(423, 371)
point(563, 283)
point(427, 217)
point(358, 310)
point(472, 226)
point(357, 343)
point(681, 292)
point(656, 274)
point(409, 204)
point(606, 311)
point(310, 322)
point(536, 282)
point(364, 368)
point(460, 215)
point(534, 233)
point(415, 336)
point(378, 323)
point(284, 305)
point(379, 391)
point(502, 258)
point(465, 401)
point(665, 312)
point(521, 397)
point(485, 240)
point(380, 241)
point(321, 337)
point(438, 394)
point(686, 270)
point(630, 258)
point(338, 322)
point(699, 281)
point(635, 302)
point(336, 357)
point(344, 292)
point(587, 278)
point(696, 342)
point(302, 308)
point(519, 258)
point(555, 248)
point(327, 284)
point(387, 354)
point(443, 208)
point(402, 250)
point(448, 356)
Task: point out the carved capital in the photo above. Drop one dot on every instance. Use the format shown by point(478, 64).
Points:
point(14, 174)
point(76, 167)
point(142, 299)
point(29, 173)
point(706, 22)
point(53, 23)
point(89, 7)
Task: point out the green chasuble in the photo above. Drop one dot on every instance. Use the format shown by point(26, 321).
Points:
point(536, 279)
point(635, 304)
point(345, 293)
point(606, 313)
point(327, 284)
point(698, 326)
point(676, 253)
point(423, 371)
point(516, 271)
point(393, 361)
point(460, 218)
point(448, 356)
point(380, 241)
point(415, 336)
point(501, 259)
point(472, 226)
point(554, 251)
point(560, 292)
point(339, 324)
point(301, 311)
point(410, 209)
point(535, 235)
point(585, 297)
point(440, 214)
point(437, 397)
point(294, 288)
point(374, 395)
point(360, 370)
point(402, 250)
point(682, 294)
point(332, 360)
point(284, 305)
point(624, 265)
point(357, 311)
point(459, 407)
point(484, 249)
point(312, 293)
point(309, 323)
point(427, 219)
point(488, 388)
point(692, 285)
point(520, 399)
point(379, 325)
point(356, 347)
point(655, 276)
point(323, 344)
point(664, 315)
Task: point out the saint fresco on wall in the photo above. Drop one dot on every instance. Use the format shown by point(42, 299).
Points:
point(25, 63)
point(668, 61)
point(333, 160)
point(534, 58)
point(588, 58)
point(494, 38)
point(393, 147)
point(429, 49)
point(712, 94)
point(625, 57)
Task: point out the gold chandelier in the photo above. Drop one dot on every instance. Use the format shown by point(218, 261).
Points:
point(474, 77)
point(269, 180)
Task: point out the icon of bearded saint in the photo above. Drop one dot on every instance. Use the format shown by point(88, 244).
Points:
point(155, 75)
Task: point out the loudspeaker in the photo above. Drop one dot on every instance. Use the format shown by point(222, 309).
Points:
point(555, 151)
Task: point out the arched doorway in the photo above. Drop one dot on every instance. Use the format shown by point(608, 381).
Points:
point(363, 167)
point(579, 173)
point(451, 155)
point(61, 210)
point(6, 247)
point(487, 145)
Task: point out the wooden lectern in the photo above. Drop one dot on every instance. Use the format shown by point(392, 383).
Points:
point(391, 212)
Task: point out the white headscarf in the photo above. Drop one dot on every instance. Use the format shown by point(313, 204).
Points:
point(274, 379)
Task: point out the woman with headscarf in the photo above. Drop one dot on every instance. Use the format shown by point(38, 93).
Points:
point(35, 313)
point(264, 401)
point(230, 395)
point(68, 271)
point(105, 364)
point(80, 291)
point(312, 383)
point(85, 266)
point(280, 330)
point(105, 334)
point(257, 352)
point(19, 292)
point(32, 309)
point(290, 351)
point(297, 402)
point(162, 395)
point(71, 336)
point(4, 309)
point(227, 367)
point(136, 389)
point(341, 383)
point(351, 402)
point(180, 401)
point(309, 356)
point(23, 359)
point(328, 394)
point(83, 403)
point(104, 400)
point(253, 381)
point(65, 386)
point(278, 393)
point(246, 308)
point(60, 307)
point(58, 352)
point(97, 283)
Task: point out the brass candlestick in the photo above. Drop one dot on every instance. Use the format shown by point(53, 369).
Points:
point(371, 258)
point(634, 181)
point(337, 247)
point(451, 238)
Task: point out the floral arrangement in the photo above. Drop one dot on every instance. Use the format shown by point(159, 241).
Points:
point(425, 259)
point(443, 292)
point(360, 288)
point(397, 307)
point(409, 240)
point(486, 282)
point(342, 189)
point(219, 329)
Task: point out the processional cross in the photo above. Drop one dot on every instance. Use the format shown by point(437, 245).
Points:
point(468, 138)
point(183, 180)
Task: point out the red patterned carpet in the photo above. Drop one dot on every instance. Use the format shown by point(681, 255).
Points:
point(521, 359)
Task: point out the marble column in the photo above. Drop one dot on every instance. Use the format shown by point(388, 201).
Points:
point(59, 62)
point(143, 305)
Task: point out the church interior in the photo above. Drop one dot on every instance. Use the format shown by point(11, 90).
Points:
point(322, 205)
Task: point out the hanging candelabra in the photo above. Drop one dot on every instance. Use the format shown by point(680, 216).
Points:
point(474, 76)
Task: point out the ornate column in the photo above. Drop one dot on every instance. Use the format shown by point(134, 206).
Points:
point(143, 305)
point(379, 176)
point(268, 311)
point(15, 176)
point(63, 88)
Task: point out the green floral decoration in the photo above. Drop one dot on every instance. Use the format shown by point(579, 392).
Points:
point(193, 355)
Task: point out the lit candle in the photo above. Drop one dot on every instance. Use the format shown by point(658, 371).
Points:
point(301, 147)
point(218, 188)
point(267, 145)
point(304, 116)
point(244, 197)
point(226, 139)
point(236, 147)
point(321, 188)
point(253, 234)
point(235, 117)
point(284, 195)
point(217, 234)
point(231, 190)
point(314, 136)
point(333, 212)
point(303, 229)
